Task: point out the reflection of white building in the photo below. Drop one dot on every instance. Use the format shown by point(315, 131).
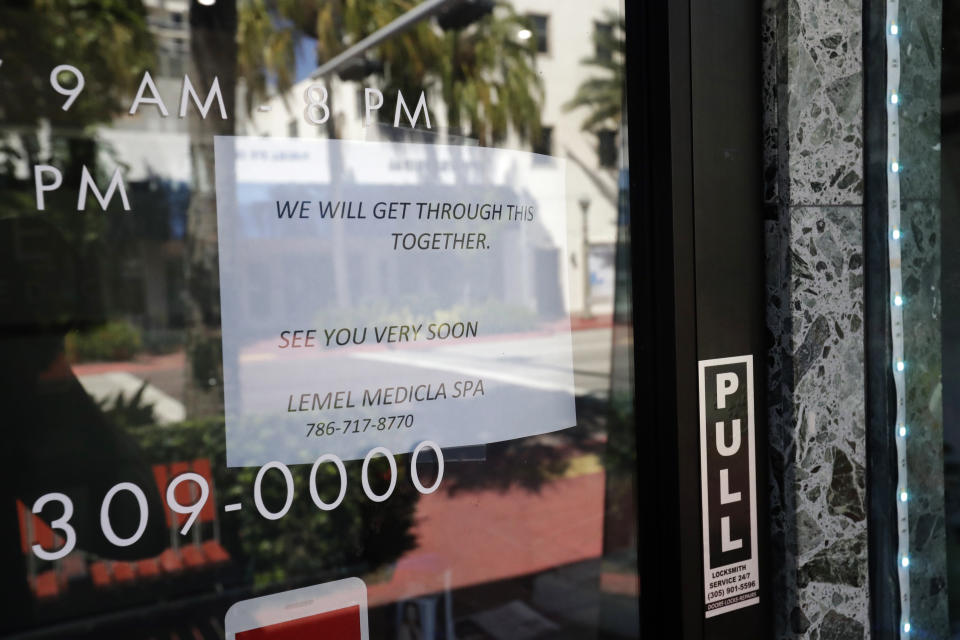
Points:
point(155, 150)
point(591, 159)
point(563, 42)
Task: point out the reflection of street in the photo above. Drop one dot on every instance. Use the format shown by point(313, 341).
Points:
point(166, 374)
point(591, 361)
point(537, 364)
point(535, 551)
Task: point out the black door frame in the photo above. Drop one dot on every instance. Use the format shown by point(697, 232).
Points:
point(694, 113)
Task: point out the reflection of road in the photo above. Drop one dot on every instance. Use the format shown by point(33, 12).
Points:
point(534, 364)
point(591, 361)
point(166, 374)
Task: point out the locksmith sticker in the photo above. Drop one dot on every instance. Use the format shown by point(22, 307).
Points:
point(728, 485)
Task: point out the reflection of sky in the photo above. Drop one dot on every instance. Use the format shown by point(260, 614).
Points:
point(178, 194)
point(304, 60)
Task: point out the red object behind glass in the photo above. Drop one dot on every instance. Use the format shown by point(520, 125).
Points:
point(343, 624)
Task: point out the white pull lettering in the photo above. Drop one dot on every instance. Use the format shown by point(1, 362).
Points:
point(722, 447)
point(727, 384)
point(725, 496)
point(726, 544)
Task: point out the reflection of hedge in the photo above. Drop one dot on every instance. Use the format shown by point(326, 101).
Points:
point(111, 341)
point(357, 537)
point(621, 451)
point(161, 341)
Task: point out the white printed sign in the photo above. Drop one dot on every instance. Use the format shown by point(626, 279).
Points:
point(383, 294)
point(728, 470)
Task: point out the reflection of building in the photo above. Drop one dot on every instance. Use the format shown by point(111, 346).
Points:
point(155, 151)
point(145, 278)
point(592, 159)
point(138, 277)
point(168, 21)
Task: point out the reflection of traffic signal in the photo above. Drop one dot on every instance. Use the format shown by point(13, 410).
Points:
point(357, 68)
point(458, 15)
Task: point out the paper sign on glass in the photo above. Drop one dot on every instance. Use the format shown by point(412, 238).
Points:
point(384, 294)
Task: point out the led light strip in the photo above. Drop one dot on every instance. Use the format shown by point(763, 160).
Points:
point(896, 307)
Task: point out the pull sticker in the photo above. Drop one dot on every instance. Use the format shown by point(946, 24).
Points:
point(728, 485)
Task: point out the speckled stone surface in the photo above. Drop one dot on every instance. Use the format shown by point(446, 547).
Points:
point(921, 321)
point(920, 58)
point(813, 170)
point(920, 43)
point(820, 80)
point(780, 421)
point(816, 411)
point(813, 188)
point(769, 94)
point(828, 396)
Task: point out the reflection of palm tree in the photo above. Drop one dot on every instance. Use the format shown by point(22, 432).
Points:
point(603, 95)
point(489, 79)
point(486, 75)
point(109, 43)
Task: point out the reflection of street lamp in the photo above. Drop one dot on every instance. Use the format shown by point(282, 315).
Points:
point(584, 206)
point(405, 21)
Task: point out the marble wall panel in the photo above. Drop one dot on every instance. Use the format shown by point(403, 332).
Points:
point(919, 114)
point(782, 440)
point(816, 412)
point(826, 264)
point(821, 104)
point(920, 60)
point(924, 415)
point(769, 94)
point(813, 187)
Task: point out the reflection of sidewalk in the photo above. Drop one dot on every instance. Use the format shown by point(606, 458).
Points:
point(580, 323)
point(104, 380)
point(476, 537)
point(144, 364)
point(107, 386)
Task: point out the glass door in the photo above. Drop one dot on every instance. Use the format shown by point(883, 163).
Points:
point(316, 317)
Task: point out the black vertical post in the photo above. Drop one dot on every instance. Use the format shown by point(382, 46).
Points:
point(728, 239)
point(693, 76)
point(652, 124)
